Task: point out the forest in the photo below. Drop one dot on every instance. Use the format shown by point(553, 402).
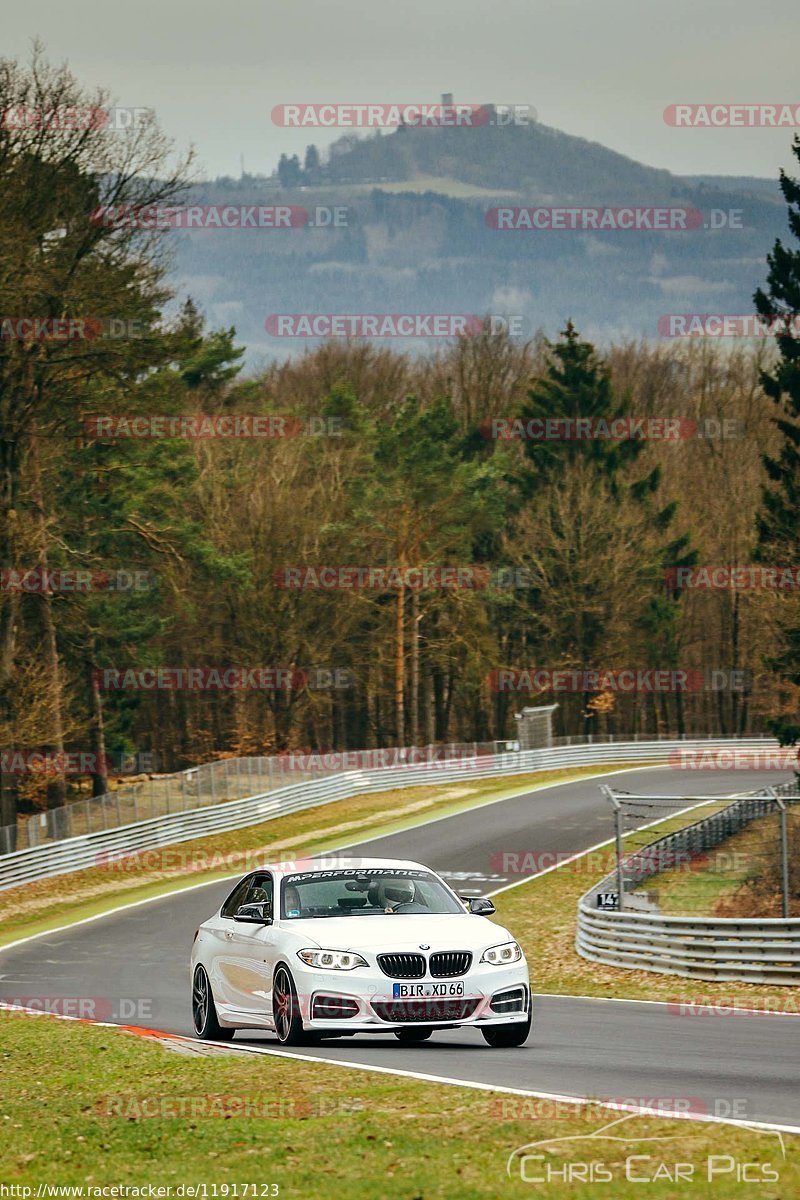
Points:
point(361, 547)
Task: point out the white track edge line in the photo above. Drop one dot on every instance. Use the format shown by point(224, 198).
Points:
point(600, 845)
point(111, 912)
point(422, 1076)
point(515, 795)
point(528, 879)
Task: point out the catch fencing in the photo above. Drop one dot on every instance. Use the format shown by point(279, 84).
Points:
point(313, 788)
point(753, 950)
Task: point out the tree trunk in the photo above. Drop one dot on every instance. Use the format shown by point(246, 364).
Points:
point(399, 664)
point(9, 618)
point(428, 720)
point(8, 787)
point(416, 617)
point(57, 787)
point(680, 715)
point(440, 712)
point(97, 732)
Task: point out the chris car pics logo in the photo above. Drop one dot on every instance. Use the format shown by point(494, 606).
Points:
point(596, 1158)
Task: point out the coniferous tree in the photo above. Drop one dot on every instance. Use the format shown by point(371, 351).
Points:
point(577, 387)
point(779, 519)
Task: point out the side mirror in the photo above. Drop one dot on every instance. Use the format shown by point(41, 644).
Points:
point(254, 914)
point(480, 905)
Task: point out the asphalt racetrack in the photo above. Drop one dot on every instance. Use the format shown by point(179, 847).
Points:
point(745, 1066)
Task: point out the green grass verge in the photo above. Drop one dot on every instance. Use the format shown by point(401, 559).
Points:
point(740, 877)
point(697, 887)
point(91, 1107)
point(542, 914)
point(50, 903)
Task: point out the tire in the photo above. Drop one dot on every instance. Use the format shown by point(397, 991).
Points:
point(204, 1011)
point(410, 1037)
point(286, 1011)
point(501, 1037)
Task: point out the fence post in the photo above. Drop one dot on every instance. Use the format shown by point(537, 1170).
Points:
point(211, 776)
point(784, 854)
point(609, 795)
point(618, 843)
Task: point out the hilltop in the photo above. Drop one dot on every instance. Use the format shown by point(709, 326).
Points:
point(416, 237)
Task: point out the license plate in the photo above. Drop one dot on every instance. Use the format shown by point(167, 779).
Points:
point(426, 991)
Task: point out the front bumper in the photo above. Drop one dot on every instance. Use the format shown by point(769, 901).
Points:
point(368, 995)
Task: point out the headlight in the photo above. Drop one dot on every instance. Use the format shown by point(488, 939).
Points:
point(332, 960)
point(500, 956)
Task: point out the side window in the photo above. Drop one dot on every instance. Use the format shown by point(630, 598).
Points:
point(260, 890)
point(236, 897)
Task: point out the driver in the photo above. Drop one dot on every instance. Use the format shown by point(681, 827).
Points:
point(395, 893)
point(291, 900)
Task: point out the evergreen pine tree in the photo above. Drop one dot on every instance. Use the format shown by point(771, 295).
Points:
point(779, 519)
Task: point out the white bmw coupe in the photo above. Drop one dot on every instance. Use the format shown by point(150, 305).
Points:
point(365, 946)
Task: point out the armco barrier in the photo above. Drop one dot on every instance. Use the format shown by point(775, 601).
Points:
point(751, 950)
point(73, 854)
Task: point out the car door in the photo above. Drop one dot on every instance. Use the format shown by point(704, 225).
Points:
point(247, 957)
point(217, 934)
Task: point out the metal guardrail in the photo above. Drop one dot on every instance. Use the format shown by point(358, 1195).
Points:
point(752, 950)
point(745, 951)
point(238, 778)
point(92, 849)
point(202, 786)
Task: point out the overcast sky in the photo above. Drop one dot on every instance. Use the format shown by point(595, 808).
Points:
point(601, 69)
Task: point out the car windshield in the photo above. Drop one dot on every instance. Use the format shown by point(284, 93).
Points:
point(365, 892)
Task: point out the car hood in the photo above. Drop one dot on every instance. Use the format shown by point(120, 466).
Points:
point(401, 933)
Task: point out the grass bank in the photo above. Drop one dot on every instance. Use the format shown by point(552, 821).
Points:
point(90, 1107)
point(542, 914)
point(49, 903)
